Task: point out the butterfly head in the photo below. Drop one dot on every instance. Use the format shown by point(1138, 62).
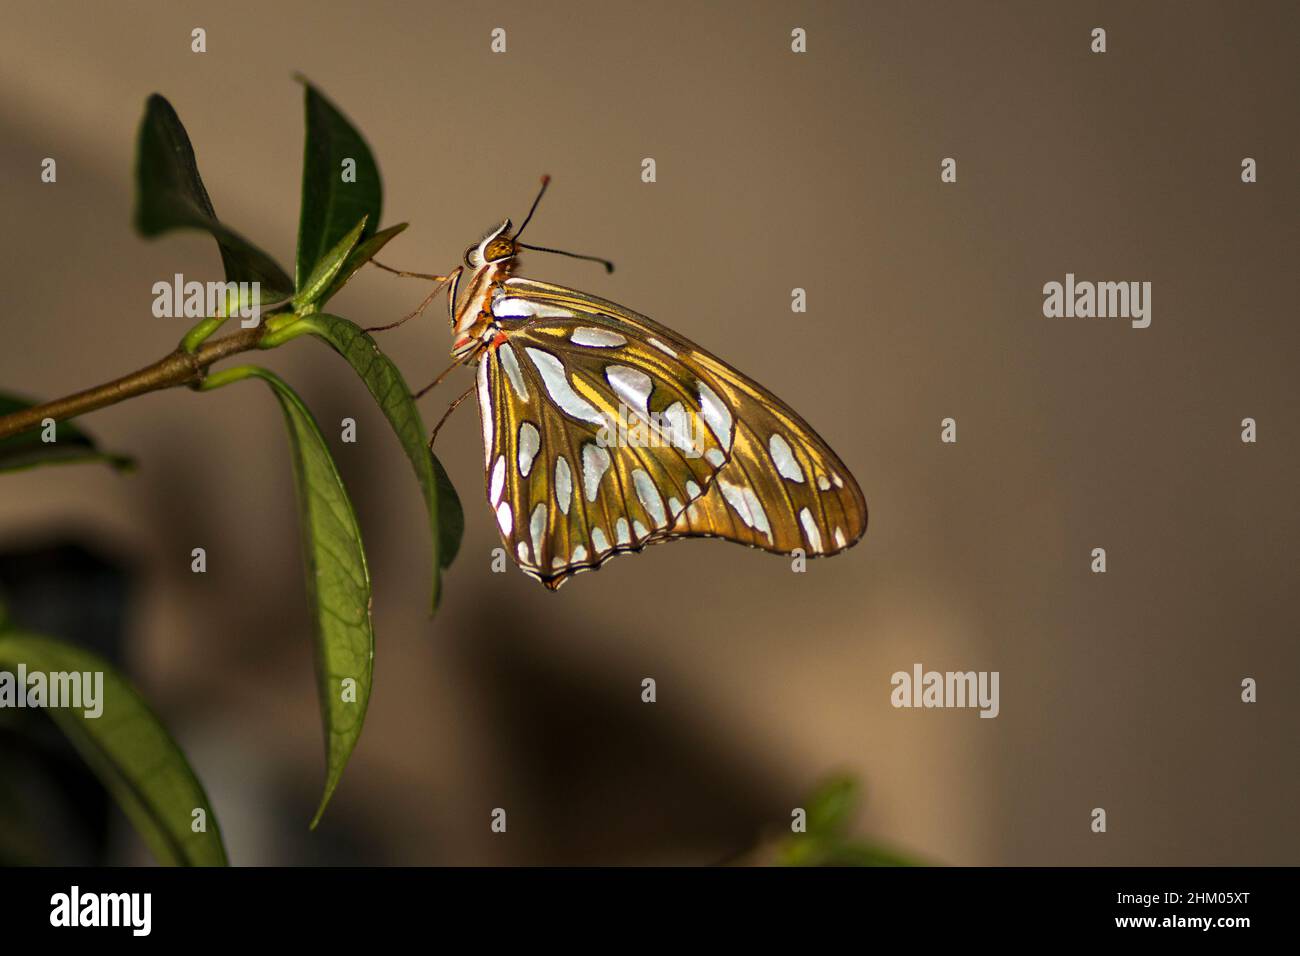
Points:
point(496, 246)
point(499, 247)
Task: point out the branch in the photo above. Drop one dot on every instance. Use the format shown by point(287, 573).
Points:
point(178, 368)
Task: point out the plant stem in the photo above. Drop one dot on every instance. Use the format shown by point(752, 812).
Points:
point(178, 368)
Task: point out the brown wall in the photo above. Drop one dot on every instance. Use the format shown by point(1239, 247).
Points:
point(774, 170)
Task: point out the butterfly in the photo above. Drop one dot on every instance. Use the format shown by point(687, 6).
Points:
point(604, 432)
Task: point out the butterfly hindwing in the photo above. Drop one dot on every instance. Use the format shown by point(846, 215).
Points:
point(594, 449)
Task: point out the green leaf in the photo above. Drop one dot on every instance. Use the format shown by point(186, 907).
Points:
point(810, 850)
point(330, 206)
point(130, 751)
point(856, 853)
point(827, 843)
point(451, 516)
point(359, 256)
point(327, 269)
point(801, 850)
point(338, 579)
point(70, 445)
point(391, 393)
point(831, 807)
point(170, 195)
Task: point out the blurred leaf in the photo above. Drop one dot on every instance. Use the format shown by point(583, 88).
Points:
point(327, 268)
point(170, 195)
point(855, 853)
point(831, 809)
point(362, 254)
point(22, 840)
point(330, 206)
point(338, 579)
point(800, 850)
point(832, 805)
point(451, 516)
point(70, 445)
point(810, 850)
point(130, 751)
point(390, 391)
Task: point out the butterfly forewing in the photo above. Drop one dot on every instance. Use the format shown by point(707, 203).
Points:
point(783, 489)
point(645, 437)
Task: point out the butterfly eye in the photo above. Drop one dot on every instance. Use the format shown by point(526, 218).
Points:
point(499, 249)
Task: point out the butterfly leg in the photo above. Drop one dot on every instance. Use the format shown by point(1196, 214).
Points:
point(416, 396)
point(447, 414)
point(419, 310)
point(408, 275)
point(442, 281)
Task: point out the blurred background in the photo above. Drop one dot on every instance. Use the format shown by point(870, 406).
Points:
point(775, 171)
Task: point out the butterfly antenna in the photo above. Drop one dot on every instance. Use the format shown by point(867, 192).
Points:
point(609, 266)
point(546, 181)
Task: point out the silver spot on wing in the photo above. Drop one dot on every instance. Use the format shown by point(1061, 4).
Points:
point(529, 442)
point(597, 338)
point(649, 496)
point(716, 415)
point(498, 480)
point(632, 386)
point(810, 530)
point(746, 504)
point(560, 389)
point(537, 527)
point(783, 457)
point(595, 462)
point(563, 484)
point(510, 362)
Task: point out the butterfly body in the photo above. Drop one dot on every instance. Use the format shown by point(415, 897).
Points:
point(471, 317)
point(605, 432)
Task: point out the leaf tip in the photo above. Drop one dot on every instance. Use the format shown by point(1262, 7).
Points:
point(324, 802)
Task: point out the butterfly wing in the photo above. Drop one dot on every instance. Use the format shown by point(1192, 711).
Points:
point(783, 489)
point(592, 449)
point(760, 475)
